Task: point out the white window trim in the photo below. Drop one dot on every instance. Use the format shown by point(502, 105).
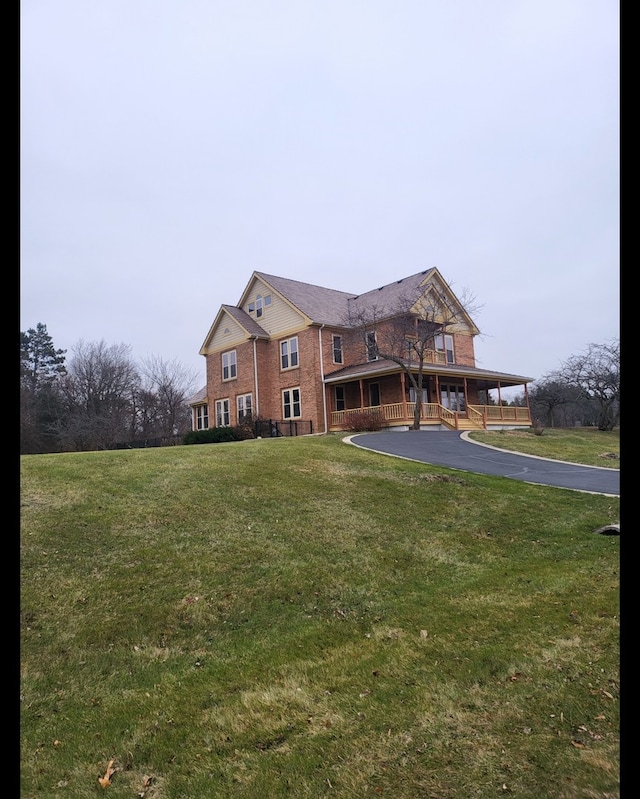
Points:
point(292, 403)
point(221, 413)
point(372, 337)
point(441, 341)
point(286, 343)
point(335, 349)
point(241, 399)
point(232, 365)
point(202, 416)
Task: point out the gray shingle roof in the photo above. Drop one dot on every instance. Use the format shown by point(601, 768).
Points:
point(199, 396)
point(332, 307)
point(247, 321)
point(390, 297)
point(321, 305)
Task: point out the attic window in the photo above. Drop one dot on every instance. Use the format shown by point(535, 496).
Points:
point(259, 305)
point(226, 331)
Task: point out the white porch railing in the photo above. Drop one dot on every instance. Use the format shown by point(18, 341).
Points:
point(477, 416)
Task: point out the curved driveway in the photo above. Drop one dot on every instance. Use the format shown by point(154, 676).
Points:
point(457, 451)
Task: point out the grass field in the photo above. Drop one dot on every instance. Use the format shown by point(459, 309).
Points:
point(302, 618)
point(578, 444)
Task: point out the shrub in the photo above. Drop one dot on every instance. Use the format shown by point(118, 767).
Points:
point(214, 435)
point(363, 421)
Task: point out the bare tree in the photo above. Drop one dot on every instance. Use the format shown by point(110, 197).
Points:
point(99, 391)
point(595, 374)
point(547, 396)
point(407, 333)
point(166, 386)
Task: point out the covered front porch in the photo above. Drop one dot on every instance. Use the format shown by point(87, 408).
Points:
point(453, 398)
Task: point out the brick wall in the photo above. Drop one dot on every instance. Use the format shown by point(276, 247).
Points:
point(463, 349)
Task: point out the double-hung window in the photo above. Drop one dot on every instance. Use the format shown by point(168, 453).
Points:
point(444, 343)
point(337, 349)
point(289, 353)
point(222, 413)
point(229, 365)
point(291, 408)
point(244, 406)
point(372, 347)
point(202, 417)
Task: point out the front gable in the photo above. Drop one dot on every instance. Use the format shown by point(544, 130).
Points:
point(437, 301)
point(426, 294)
point(271, 309)
point(230, 328)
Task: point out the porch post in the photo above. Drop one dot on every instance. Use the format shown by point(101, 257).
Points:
point(361, 394)
point(500, 402)
point(404, 395)
point(466, 398)
point(526, 398)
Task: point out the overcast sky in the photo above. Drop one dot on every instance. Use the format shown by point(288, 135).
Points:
point(169, 148)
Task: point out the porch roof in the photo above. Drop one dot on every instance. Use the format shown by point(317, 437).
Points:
point(486, 379)
point(199, 397)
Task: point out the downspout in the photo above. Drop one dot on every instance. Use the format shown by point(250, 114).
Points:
point(255, 375)
point(324, 388)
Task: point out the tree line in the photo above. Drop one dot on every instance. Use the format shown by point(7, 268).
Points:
point(583, 390)
point(99, 398)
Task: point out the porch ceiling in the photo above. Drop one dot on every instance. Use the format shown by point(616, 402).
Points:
point(485, 379)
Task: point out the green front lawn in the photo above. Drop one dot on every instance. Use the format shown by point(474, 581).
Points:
point(299, 617)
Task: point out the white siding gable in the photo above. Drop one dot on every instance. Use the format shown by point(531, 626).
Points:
point(277, 318)
point(228, 334)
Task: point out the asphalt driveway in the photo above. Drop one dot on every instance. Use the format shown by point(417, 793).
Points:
point(456, 451)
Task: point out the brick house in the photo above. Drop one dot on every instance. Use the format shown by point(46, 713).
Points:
point(290, 351)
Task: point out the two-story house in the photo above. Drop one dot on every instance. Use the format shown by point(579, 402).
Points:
point(294, 351)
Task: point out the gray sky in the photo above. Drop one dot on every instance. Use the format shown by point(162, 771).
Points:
point(171, 147)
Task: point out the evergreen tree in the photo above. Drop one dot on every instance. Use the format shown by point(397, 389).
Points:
point(40, 362)
point(41, 366)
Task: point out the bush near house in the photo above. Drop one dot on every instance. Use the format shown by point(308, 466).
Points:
point(214, 435)
point(363, 421)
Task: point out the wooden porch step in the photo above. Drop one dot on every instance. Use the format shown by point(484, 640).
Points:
point(464, 424)
point(468, 424)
